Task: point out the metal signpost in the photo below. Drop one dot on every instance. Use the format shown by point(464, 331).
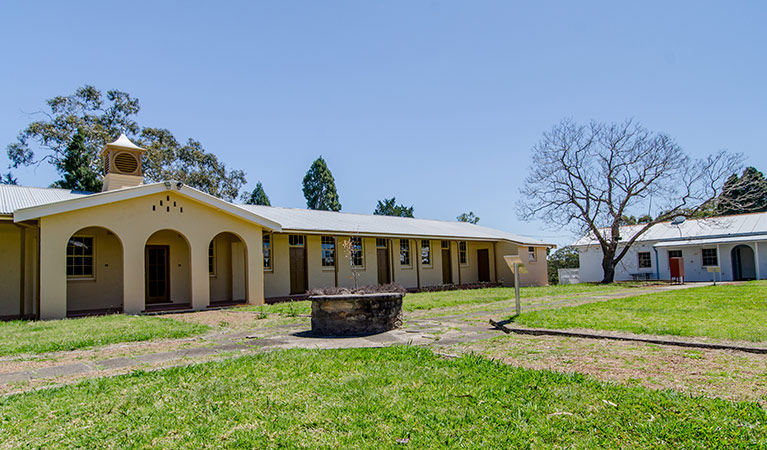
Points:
point(516, 266)
point(714, 270)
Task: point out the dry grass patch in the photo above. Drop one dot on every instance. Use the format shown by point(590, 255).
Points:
point(714, 373)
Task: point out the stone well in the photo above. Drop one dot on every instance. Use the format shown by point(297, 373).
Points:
point(356, 314)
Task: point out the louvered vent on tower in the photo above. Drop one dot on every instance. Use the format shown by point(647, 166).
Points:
point(125, 162)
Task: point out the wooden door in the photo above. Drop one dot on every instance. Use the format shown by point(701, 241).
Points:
point(447, 267)
point(483, 265)
point(383, 266)
point(297, 270)
point(157, 270)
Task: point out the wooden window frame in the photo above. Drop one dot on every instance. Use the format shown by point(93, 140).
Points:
point(267, 242)
point(331, 240)
point(212, 259)
point(427, 246)
point(639, 260)
point(463, 253)
point(299, 241)
point(361, 250)
point(92, 276)
point(532, 255)
point(404, 251)
point(715, 256)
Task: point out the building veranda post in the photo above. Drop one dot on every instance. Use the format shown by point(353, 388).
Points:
point(140, 247)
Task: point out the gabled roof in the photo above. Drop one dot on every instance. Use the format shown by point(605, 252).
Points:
point(87, 201)
point(311, 221)
point(710, 228)
point(24, 203)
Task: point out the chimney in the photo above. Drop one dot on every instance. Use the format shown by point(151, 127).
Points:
point(122, 164)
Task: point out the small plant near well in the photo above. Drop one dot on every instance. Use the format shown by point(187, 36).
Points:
point(349, 249)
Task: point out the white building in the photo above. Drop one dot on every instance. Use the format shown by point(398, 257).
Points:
point(737, 245)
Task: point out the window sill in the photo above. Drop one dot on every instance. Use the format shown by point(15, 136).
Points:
point(81, 278)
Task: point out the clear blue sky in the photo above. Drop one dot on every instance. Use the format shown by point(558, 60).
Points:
point(435, 102)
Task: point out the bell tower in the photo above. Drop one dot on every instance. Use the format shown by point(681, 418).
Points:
point(122, 164)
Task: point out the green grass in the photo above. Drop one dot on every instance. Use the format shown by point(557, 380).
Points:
point(369, 398)
point(20, 336)
point(736, 312)
point(445, 299)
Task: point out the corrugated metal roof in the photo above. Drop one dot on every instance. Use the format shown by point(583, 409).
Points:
point(17, 197)
point(339, 222)
point(712, 240)
point(714, 227)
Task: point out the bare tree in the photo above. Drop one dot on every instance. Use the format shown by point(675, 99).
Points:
point(591, 176)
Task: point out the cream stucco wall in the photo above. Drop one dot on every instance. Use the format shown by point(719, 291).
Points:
point(133, 221)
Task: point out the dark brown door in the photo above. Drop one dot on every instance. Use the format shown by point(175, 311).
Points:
point(297, 270)
point(383, 266)
point(483, 265)
point(447, 267)
point(157, 273)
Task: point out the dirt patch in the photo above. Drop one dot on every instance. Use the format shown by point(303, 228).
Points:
point(714, 373)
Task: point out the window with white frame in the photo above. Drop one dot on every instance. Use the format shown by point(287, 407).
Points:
point(644, 260)
point(357, 252)
point(710, 257)
point(80, 257)
point(266, 244)
point(328, 251)
point(531, 256)
point(404, 252)
point(425, 252)
point(463, 254)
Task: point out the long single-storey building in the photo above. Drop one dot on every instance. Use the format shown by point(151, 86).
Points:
point(732, 248)
point(139, 247)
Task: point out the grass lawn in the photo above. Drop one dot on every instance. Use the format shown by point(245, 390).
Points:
point(369, 398)
point(444, 299)
point(71, 334)
point(737, 312)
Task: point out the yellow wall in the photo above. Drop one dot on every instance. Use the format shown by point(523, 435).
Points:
point(537, 274)
point(133, 222)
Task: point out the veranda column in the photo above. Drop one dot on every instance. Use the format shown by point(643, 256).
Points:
point(255, 268)
point(200, 273)
point(53, 272)
point(756, 259)
point(134, 296)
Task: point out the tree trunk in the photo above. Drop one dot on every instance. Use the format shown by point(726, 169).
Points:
point(608, 268)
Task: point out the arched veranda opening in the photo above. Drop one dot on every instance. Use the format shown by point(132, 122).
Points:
point(167, 271)
point(743, 263)
point(227, 268)
point(94, 268)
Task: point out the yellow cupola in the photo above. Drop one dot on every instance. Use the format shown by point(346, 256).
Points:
point(122, 164)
